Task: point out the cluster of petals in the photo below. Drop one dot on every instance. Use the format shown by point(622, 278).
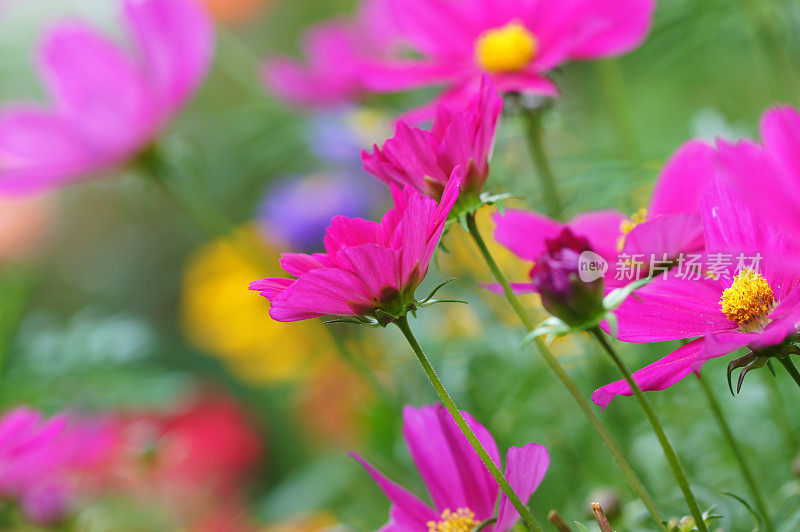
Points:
point(455, 477)
point(367, 266)
point(445, 36)
point(107, 104)
point(40, 459)
point(672, 225)
point(461, 137)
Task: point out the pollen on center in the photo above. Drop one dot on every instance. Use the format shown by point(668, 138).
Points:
point(626, 226)
point(748, 301)
point(462, 520)
point(507, 49)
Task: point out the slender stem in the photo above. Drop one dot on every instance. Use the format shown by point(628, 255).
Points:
point(744, 465)
point(567, 381)
point(669, 453)
point(473, 440)
point(613, 85)
point(789, 365)
point(779, 412)
point(600, 517)
point(533, 127)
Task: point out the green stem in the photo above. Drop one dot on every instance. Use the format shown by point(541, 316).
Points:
point(789, 365)
point(779, 412)
point(613, 85)
point(669, 453)
point(15, 292)
point(744, 465)
point(533, 128)
point(591, 415)
point(447, 401)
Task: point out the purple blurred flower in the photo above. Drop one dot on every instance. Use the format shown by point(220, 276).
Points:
point(297, 210)
point(39, 459)
point(557, 280)
point(107, 103)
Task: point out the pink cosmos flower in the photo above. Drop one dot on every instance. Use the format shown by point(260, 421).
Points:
point(39, 459)
point(368, 266)
point(335, 52)
point(670, 225)
point(107, 104)
point(463, 492)
point(747, 298)
point(516, 41)
point(767, 176)
point(460, 137)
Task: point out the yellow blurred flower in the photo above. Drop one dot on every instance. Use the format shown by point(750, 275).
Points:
point(318, 522)
point(221, 316)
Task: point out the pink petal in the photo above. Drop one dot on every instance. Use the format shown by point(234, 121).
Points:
point(612, 27)
point(672, 309)
point(347, 232)
point(683, 179)
point(176, 38)
point(38, 149)
point(299, 263)
point(525, 470)
point(376, 266)
point(322, 292)
point(666, 236)
point(452, 471)
point(601, 228)
point(659, 375)
point(271, 287)
point(732, 226)
point(524, 232)
point(408, 512)
point(100, 91)
point(780, 131)
point(436, 27)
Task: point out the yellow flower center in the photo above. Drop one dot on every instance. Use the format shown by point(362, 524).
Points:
point(629, 225)
point(748, 301)
point(506, 49)
point(462, 520)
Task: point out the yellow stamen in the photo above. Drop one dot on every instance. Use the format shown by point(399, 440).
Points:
point(629, 225)
point(748, 301)
point(462, 520)
point(506, 49)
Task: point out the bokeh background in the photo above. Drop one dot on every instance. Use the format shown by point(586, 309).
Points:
point(114, 304)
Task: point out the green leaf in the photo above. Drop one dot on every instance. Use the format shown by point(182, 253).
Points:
point(581, 527)
point(744, 503)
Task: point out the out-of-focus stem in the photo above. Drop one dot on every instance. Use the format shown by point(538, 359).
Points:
point(533, 127)
point(473, 440)
point(790, 368)
point(613, 85)
point(669, 453)
point(566, 380)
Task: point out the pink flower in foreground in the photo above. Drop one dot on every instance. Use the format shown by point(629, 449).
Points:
point(460, 138)
point(767, 176)
point(516, 41)
point(107, 104)
point(40, 459)
point(368, 266)
point(463, 492)
point(671, 224)
point(747, 304)
point(335, 53)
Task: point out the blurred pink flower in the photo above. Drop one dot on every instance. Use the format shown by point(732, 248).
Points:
point(517, 41)
point(40, 459)
point(755, 307)
point(671, 224)
point(767, 176)
point(369, 266)
point(335, 52)
point(463, 492)
point(461, 137)
point(107, 104)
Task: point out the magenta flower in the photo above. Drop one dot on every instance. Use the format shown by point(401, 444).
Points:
point(368, 267)
point(463, 492)
point(336, 52)
point(107, 104)
point(516, 41)
point(671, 224)
point(460, 138)
point(746, 297)
point(767, 176)
point(39, 460)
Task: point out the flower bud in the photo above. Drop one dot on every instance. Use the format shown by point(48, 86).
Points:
point(556, 276)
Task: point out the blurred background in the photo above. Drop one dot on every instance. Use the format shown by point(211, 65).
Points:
point(115, 305)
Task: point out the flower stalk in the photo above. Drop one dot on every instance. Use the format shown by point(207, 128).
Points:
point(450, 405)
point(587, 409)
point(744, 465)
point(553, 206)
point(790, 368)
point(669, 453)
